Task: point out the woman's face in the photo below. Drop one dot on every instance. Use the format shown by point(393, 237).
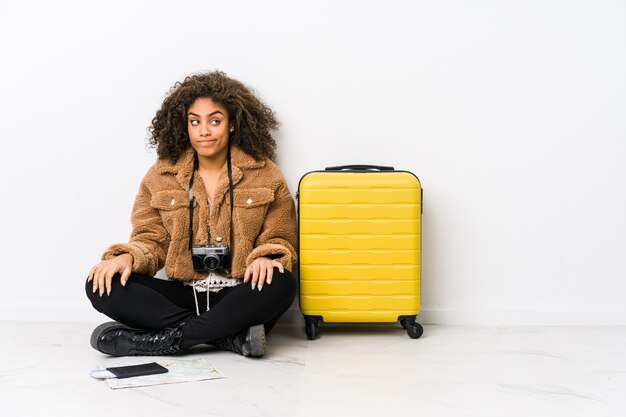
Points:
point(208, 128)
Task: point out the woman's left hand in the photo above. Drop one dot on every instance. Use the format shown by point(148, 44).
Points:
point(260, 271)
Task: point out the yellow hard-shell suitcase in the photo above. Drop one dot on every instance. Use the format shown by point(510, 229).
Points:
point(360, 246)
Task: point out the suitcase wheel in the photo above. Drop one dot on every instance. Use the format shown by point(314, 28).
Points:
point(311, 327)
point(413, 329)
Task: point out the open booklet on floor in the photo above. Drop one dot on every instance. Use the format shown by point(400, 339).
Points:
point(179, 370)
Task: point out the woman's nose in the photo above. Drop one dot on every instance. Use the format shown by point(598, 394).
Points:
point(204, 129)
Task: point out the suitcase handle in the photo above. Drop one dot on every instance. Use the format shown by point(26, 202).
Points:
point(359, 168)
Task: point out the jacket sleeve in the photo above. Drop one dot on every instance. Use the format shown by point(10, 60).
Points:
point(149, 239)
point(277, 239)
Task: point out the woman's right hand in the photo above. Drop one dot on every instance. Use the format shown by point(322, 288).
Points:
point(102, 273)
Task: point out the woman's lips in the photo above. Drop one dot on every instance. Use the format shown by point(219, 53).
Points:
point(207, 142)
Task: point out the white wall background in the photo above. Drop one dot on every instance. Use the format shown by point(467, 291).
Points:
point(512, 113)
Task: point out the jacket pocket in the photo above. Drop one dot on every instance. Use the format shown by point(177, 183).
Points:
point(252, 197)
point(250, 209)
point(173, 205)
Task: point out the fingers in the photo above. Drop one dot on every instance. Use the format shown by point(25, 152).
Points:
point(262, 274)
point(114, 268)
point(261, 271)
point(270, 270)
point(99, 281)
point(270, 273)
point(125, 274)
point(255, 273)
point(102, 275)
point(103, 280)
point(107, 282)
point(94, 276)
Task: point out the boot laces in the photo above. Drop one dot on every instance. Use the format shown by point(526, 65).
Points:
point(229, 343)
point(161, 342)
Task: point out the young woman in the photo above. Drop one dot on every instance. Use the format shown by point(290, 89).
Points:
point(216, 212)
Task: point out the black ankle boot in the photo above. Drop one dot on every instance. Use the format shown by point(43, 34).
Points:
point(118, 340)
point(250, 342)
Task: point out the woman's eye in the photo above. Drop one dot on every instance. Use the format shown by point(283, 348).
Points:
point(194, 122)
point(215, 122)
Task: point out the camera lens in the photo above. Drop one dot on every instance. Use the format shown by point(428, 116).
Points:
point(211, 262)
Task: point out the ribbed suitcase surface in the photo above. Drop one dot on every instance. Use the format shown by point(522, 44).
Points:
point(360, 238)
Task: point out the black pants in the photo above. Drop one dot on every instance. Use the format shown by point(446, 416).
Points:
point(150, 303)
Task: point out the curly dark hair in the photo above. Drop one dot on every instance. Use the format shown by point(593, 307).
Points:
point(252, 119)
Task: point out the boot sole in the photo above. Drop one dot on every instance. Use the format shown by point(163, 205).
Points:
point(95, 335)
point(257, 341)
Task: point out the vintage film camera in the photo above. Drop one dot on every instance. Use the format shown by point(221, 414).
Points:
point(210, 257)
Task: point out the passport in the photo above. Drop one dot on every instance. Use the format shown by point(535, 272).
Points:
point(137, 370)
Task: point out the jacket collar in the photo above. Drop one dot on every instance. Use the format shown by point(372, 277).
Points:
point(183, 168)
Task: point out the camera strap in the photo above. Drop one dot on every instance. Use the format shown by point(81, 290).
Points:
point(230, 192)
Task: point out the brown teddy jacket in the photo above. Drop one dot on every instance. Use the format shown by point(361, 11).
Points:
point(264, 217)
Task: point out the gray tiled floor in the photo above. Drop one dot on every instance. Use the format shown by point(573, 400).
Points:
point(361, 370)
